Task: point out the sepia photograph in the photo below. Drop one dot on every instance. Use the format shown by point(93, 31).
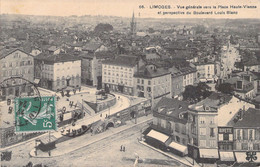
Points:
point(140, 83)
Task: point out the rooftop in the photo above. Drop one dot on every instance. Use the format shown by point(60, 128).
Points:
point(151, 72)
point(250, 119)
point(171, 107)
point(6, 52)
point(51, 59)
point(122, 60)
point(211, 103)
point(91, 46)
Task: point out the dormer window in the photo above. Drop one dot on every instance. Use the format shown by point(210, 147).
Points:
point(161, 109)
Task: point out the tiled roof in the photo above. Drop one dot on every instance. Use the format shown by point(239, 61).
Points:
point(171, 107)
point(214, 101)
point(122, 60)
point(91, 46)
point(104, 54)
point(99, 55)
point(51, 59)
point(145, 72)
point(6, 52)
point(250, 119)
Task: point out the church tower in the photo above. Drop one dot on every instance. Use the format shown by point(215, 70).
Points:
point(133, 25)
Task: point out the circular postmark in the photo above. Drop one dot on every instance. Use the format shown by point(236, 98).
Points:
point(18, 90)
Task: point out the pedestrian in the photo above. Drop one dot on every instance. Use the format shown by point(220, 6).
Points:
point(101, 115)
point(124, 148)
point(121, 148)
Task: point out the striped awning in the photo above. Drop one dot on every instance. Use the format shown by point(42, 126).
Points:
point(158, 136)
point(241, 157)
point(179, 147)
point(227, 156)
point(209, 153)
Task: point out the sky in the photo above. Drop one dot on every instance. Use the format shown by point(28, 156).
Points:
point(123, 8)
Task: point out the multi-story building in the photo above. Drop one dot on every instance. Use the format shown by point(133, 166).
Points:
point(230, 110)
point(177, 82)
point(210, 116)
point(57, 72)
point(203, 131)
point(91, 67)
point(189, 76)
point(182, 77)
point(247, 135)
point(152, 83)
point(205, 71)
point(170, 118)
point(245, 84)
point(16, 63)
point(118, 73)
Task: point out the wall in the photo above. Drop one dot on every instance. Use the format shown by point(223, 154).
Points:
point(64, 70)
point(17, 63)
point(177, 86)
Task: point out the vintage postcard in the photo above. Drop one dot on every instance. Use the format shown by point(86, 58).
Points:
point(150, 83)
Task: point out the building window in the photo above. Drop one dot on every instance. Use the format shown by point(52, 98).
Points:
point(238, 134)
point(212, 143)
point(58, 81)
point(169, 125)
point(202, 131)
point(251, 136)
point(230, 137)
point(245, 134)
point(220, 137)
point(177, 127)
point(178, 139)
point(244, 146)
point(226, 136)
point(256, 146)
point(212, 133)
point(184, 141)
point(142, 81)
point(183, 130)
point(203, 143)
point(202, 120)
point(193, 129)
point(149, 82)
point(138, 80)
point(159, 121)
point(212, 120)
point(4, 65)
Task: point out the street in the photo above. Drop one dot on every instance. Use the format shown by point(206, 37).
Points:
point(105, 152)
point(228, 60)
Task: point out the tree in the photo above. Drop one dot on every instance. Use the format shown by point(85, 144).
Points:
point(226, 88)
point(196, 93)
point(100, 28)
point(203, 90)
point(189, 92)
point(151, 30)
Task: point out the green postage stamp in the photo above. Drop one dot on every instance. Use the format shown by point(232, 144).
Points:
point(35, 114)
